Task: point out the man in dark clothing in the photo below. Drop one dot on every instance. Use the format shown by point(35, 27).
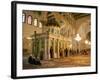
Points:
point(34, 61)
point(51, 52)
point(66, 51)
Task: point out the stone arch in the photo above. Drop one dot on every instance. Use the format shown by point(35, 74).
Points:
point(88, 36)
point(84, 28)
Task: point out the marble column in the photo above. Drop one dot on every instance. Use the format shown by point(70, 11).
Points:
point(39, 48)
point(64, 48)
point(55, 52)
point(48, 48)
point(45, 49)
point(54, 49)
point(58, 49)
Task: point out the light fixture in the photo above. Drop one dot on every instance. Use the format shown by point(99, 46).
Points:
point(78, 38)
point(86, 41)
point(28, 38)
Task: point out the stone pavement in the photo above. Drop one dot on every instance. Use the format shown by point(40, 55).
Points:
point(72, 61)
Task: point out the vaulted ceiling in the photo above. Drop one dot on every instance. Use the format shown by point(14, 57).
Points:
point(79, 15)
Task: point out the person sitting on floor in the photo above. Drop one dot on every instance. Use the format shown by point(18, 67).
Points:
point(34, 61)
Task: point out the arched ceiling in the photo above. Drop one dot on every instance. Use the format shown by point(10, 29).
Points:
point(79, 15)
